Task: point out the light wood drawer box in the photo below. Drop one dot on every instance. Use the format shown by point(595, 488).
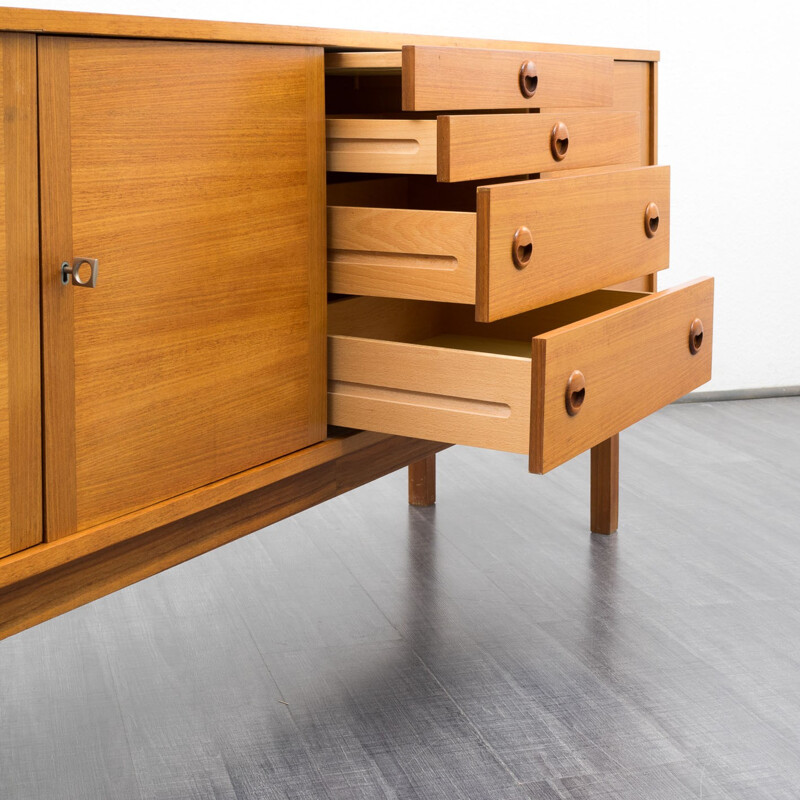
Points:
point(430, 371)
point(477, 146)
point(529, 243)
point(457, 78)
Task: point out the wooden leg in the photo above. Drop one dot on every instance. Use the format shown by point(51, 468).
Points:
point(422, 482)
point(605, 486)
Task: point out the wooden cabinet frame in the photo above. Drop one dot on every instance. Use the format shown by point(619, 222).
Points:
point(46, 579)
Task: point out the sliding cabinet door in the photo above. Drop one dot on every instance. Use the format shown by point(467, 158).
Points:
point(190, 176)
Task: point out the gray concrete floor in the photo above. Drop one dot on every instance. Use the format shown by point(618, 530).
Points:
point(487, 648)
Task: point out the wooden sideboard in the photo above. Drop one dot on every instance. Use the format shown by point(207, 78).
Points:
point(219, 239)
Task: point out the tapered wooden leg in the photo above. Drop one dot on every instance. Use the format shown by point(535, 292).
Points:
point(422, 482)
point(605, 486)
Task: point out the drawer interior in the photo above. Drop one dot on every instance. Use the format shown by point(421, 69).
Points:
point(429, 370)
point(453, 326)
point(551, 383)
point(430, 78)
point(405, 236)
point(363, 83)
point(412, 237)
point(420, 192)
point(459, 147)
point(521, 348)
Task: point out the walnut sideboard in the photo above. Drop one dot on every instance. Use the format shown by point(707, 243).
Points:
point(195, 287)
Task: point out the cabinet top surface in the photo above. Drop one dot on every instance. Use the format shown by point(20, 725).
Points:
point(86, 24)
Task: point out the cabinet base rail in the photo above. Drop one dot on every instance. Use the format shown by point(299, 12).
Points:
point(52, 578)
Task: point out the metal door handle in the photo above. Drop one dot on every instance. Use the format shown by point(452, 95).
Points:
point(74, 269)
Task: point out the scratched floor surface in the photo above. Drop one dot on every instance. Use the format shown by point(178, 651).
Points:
point(487, 648)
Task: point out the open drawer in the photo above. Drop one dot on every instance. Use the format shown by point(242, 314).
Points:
point(476, 146)
point(551, 383)
point(527, 244)
point(459, 78)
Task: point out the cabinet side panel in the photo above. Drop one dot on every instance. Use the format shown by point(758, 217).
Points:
point(632, 93)
point(196, 179)
point(20, 425)
point(635, 89)
point(5, 466)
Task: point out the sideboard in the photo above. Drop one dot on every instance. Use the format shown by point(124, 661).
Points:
point(246, 268)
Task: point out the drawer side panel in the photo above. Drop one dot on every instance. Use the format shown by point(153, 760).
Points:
point(445, 395)
point(395, 252)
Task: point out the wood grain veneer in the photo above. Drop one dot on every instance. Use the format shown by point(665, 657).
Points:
point(55, 577)
point(604, 501)
point(636, 359)
point(474, 146)
point(430, 370)
point(20, 402)
point(485, 385)
point(587, 233)
point(391, 252)
point(175, 391)
point(200, 353)
point(120, 25)
point(454, 395)
point(450, 78)
point(422, 482)
point(404, 146)
point(478, 146)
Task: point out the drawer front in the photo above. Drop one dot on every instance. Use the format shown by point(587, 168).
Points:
point(479, 146)
point(581, 234)
point(487, 386)
point(455, 78)
point(633, 360)
point(543, 241)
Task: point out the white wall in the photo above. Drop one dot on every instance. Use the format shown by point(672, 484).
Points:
point(729, 124)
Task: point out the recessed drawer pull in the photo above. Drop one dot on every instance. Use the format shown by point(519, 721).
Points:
point(696, 336)
point(406, 146)
point(354, 144)
point(522, 248)
point(559, 141)
point(442, 402)
point(528, 79)
point(651, 220)
point(576, 392)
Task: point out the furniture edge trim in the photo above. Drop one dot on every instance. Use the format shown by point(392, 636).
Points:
point(56, 577)
point(81, 23)
point(51, 555)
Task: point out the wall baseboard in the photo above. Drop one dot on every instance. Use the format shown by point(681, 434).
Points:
point(740, 394)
